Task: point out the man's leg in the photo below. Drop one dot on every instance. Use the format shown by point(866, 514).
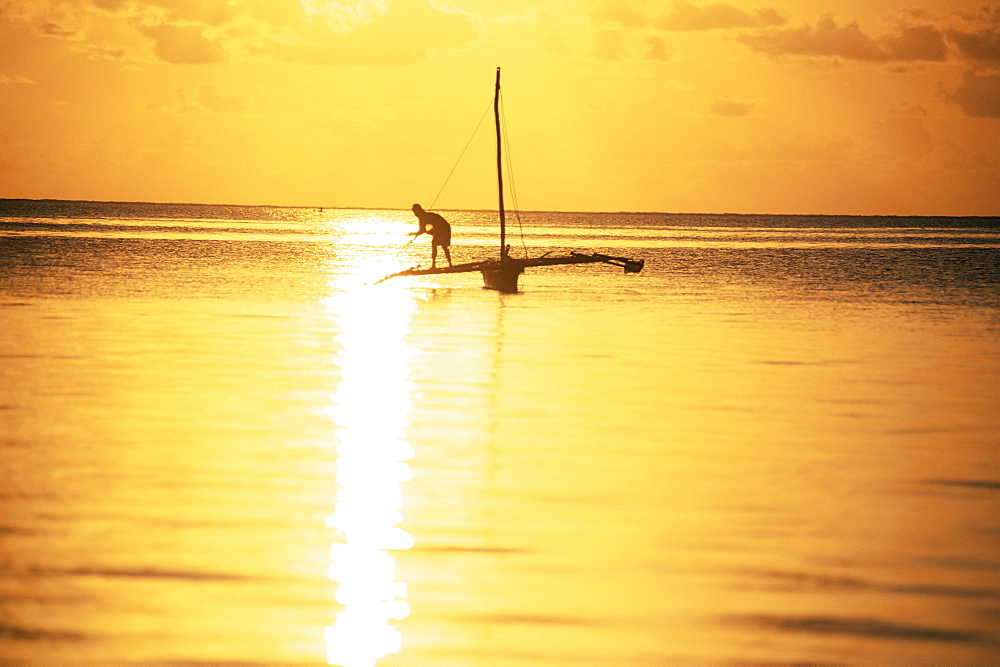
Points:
point(447, 253)
point(434, 255)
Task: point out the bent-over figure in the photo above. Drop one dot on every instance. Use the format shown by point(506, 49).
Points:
point(438, 228)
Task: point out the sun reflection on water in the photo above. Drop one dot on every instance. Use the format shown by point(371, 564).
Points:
point(370, 409)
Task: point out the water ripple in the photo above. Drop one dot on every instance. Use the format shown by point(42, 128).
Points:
point(857, 627)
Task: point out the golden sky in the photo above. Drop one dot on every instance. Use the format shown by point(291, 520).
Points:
point(776, 106)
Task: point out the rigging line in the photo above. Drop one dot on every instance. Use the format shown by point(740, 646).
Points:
point(510, 175)
point(462, 154)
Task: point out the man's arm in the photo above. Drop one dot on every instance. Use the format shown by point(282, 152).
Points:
point(415, 234)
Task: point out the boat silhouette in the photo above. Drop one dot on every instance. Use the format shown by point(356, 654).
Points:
point(502, 273)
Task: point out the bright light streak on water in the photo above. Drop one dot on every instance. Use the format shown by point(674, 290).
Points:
point(370, 409)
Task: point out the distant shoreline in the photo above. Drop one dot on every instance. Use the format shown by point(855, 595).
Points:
point(487, 210)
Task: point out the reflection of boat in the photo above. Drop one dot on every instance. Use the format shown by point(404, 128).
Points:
point(501, 274)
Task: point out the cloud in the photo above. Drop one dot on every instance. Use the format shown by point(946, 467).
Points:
point(621, 12)
point(916, 43)
point(831, 149)
point(387, 37)
point(209, 99)
point(657, 50)
point(65, 20)
point(633, 28)
point(205, 12)
point(796, 149)
point(984, 14)
point(327, 32)
point(903, 135)
point(56, 29)
point(979, 96)
point(731, 108)
point(683, 16)
point(111, 5)
point(183, 45)
point(609, 44)
point(922, 42)
point(214, 100)
point(623, 44)
point(96, 52)
point(961, 159)
point(974, 163)
point(983, 45)
point(686, 16)
point(11, 80)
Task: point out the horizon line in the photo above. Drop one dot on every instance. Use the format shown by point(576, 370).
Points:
point(486, 210)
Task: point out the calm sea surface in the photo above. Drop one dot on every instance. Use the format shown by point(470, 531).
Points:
point(221, 443)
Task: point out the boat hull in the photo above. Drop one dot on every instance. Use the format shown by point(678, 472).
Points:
point(502, 276)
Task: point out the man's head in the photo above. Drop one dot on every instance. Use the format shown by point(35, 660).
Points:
point(417, 208)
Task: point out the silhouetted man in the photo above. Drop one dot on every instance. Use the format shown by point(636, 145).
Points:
point(438, 228)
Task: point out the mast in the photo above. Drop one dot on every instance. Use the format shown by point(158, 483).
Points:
point(503, 220)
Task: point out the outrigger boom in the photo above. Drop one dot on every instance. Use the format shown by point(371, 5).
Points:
point(491, 268)
point(502, 274)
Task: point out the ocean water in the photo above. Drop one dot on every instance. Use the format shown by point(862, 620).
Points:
point(221, 443)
